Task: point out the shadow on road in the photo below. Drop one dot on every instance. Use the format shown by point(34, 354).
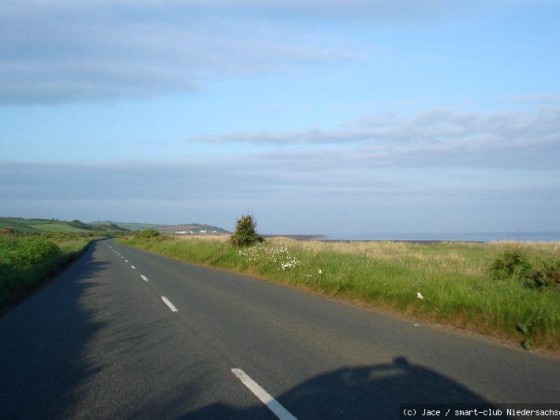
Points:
point(42, 343)
point(359, 392)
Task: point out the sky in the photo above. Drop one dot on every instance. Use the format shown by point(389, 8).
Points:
point(316, 116)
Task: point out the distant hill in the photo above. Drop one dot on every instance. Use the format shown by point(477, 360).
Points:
point(134, 226)
point(193, 229)
point(185, 229)
point(54, 225)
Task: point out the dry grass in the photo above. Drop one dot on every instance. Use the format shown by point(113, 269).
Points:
point(214, 238)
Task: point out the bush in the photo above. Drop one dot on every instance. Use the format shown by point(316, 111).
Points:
point(246, 232)
point(148, 233)
point(26, 260)
point(552, 272)
point(511, 264)
point(26, 252)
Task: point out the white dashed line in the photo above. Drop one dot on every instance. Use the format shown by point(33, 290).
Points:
point(264, 396)
point(125, 260)
point(134, 268)
point(144, 277)
point(169, 304)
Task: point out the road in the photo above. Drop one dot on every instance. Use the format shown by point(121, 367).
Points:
point(123, 333)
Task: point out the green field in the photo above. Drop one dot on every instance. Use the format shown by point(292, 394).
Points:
point(20, 225)
point(455, 280)
point(54, 225)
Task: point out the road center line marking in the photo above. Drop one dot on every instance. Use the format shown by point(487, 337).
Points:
point(264, 396)
point(169, 304)
point(144, 277)
point(134, 268)
point(125, 260)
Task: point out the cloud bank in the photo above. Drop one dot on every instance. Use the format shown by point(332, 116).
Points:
point(382, 155)
point(435, 138)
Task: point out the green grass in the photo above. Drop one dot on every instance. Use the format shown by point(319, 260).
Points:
point(26, 261)
point(453, 278)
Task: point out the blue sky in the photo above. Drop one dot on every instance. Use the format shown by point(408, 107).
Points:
point(316, 116)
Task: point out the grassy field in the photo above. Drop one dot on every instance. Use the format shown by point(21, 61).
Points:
point(21, 225)
point(38, 225)
point(53, 225)
point(455, 284)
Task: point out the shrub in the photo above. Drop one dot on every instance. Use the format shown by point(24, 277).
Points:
point(552, 273)
point(26, 252)
point(548, 276)
point(148, 233)
point(26, 260)
point(246, 232)
point(511, 264)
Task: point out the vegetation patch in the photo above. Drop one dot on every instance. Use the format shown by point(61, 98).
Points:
point(147, 233)
point(29, 259)
point(513, 265)
point(484, 288)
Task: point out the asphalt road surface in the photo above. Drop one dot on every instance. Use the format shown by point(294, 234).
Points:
point(126, 334)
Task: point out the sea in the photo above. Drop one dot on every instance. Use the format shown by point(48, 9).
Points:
point(449, 237)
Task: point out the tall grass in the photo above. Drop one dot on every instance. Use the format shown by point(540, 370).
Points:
point(453, 279)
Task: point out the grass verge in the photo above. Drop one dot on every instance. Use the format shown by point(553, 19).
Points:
point(27, 261)
point(447, 283)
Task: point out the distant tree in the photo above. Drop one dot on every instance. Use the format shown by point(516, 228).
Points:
point(246, 232)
